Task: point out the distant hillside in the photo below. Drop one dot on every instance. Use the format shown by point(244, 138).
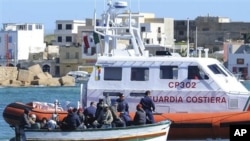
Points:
point(49, 38)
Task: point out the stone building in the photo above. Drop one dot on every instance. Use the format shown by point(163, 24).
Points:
point(211, 32)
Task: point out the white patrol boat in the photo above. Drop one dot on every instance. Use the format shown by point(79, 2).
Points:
point(197, 93)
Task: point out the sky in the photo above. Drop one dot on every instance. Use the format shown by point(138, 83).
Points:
point(48, 11)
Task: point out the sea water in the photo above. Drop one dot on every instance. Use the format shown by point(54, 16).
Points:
point(28, 94)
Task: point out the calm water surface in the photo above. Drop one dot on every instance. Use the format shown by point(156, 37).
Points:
point(27, 94)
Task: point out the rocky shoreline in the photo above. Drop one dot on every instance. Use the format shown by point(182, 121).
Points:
point(33, 76)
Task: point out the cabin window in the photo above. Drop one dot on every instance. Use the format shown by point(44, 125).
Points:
point(168, 72)
point(216, 69)
point(194, 72)
point(137, 94)
point(111, 94)
point(139, 74)
point(113, 73)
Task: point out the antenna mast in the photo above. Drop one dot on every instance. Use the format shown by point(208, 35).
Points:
point(187, 37)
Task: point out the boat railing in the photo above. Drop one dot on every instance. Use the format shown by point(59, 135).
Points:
point(110, 29)
point(238, 93)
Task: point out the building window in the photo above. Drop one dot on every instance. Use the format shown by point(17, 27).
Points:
point(46, 68)
point(59, 39)
point(180, 23)
point(240, 61)
point(38, 26)
point(147, 41)
point(159, 40)
point(139, 74)
point(68, 26)
point(22, 27)
point(127, 30)
point(10, 39)
point(113, 73)
point(68, 39)
point(29, 27)
point(143, 29)
point(181, 32)
point(168, 72)
point(59, 26)
point(159, 30)
point(205, 29)
point(67, 55)
point(77, 55)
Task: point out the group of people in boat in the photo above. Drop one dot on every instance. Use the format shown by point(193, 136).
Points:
point(100, 115)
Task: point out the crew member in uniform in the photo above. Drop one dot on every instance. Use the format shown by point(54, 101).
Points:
point(148, 106)
point(123, 108)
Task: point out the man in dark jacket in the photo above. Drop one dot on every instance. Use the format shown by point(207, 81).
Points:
point(72, 121)
point(122, 104)
point(99, 107)
point(140, 116)
point(89, 113)
point(123, 108)
point(148, 106)
point(26, 119)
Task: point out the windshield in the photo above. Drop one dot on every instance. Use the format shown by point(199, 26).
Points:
point(216, 69)
point(224, 68)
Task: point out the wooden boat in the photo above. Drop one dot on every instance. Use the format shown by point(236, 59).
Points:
point(207, 125)
point(150, 132)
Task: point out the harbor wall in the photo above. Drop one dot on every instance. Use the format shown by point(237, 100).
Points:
point(11, 76)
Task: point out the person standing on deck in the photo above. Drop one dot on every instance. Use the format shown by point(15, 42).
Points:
point(123, 108)
point(148, 106)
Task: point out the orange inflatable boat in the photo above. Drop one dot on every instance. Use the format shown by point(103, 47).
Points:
point(14, 111)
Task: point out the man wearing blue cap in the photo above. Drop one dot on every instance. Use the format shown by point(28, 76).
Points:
point(123, 108)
